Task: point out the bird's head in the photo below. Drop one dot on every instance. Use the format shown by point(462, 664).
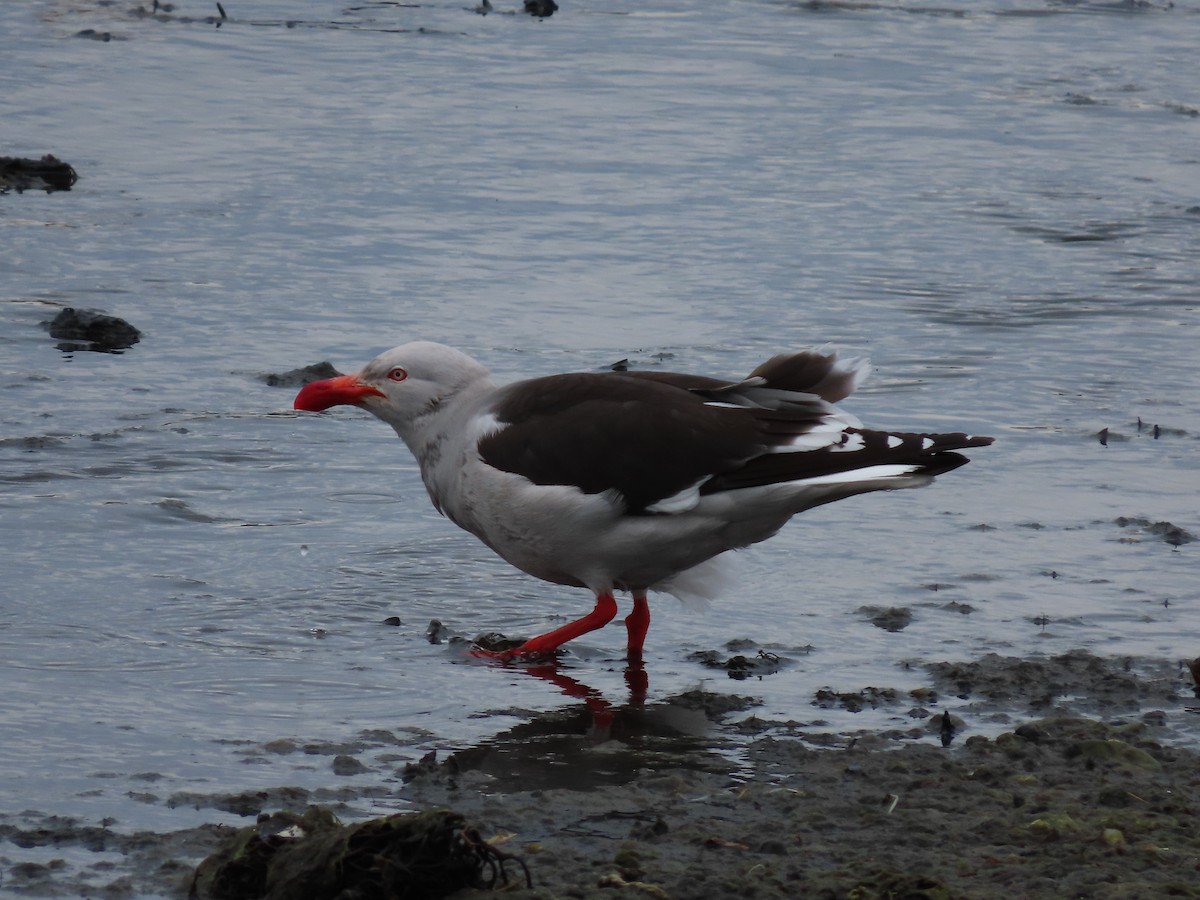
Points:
point(399, 385)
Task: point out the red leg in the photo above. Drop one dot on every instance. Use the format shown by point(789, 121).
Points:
point(545, 644)
point(637, 623)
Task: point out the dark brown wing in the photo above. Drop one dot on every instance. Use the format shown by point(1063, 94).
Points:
point(649, 436)
point(643, 438)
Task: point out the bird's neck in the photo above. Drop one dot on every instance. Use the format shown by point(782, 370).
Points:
point(435, 436)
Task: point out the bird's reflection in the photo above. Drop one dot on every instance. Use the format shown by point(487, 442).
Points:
point(603, 712)
point(597, 741)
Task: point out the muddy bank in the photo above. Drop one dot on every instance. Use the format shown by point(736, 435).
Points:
point(1089, 788)
point(1060, 807)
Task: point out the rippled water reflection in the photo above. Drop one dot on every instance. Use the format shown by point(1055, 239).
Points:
point(996, 202)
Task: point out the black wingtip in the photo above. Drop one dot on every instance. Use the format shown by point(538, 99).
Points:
point(942, 462)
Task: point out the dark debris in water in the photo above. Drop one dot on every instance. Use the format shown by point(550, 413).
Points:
point(165, 12)
point(46, 174)
point(91, 329)
point(415, 856)
point(299, 377)
point(428, 767)
point(892, 618)
point(91, 34)
point(855, 701)
point(541, 9)
point(947, 727)
point(491, 641)
point(368, 16)
point(740, 666)
point(1169, 532)
point(1107, 435)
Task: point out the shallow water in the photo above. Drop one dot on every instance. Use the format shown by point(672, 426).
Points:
point(997, 202)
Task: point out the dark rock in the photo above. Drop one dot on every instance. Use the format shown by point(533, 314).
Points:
point(854, 701)
point(46, 174)
point(1155, 718)
point(773, 847)
point(1031, 733)
point(1110, 752)
point(715, 706)
point(1169, 532)
point(437, 633)
point(92, 34)
point(300, 377)
point(91, 329)
point(740, 667)
point(427, 766)
point(894, 618)
point(543, 9)
point(344, 764)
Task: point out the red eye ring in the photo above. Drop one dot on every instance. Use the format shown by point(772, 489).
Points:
point(397, 374)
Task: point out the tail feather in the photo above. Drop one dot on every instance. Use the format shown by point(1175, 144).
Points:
point(776, 383)
point(813, 372)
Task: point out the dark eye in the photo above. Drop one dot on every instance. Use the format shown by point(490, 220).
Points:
point(397, 374)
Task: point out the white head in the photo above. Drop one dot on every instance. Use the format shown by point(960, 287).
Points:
point(401, 385)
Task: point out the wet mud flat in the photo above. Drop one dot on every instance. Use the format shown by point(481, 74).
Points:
point(1070, 776)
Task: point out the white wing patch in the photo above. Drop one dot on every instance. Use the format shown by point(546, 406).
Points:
point(869, 473)
point(849, 444)
point(482, 426)
point(894, 442)
point(827, 434)
point(680, 502)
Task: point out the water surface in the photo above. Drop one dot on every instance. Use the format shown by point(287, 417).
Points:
point(996, 202)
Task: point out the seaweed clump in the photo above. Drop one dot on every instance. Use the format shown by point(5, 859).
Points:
point(408, 856)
